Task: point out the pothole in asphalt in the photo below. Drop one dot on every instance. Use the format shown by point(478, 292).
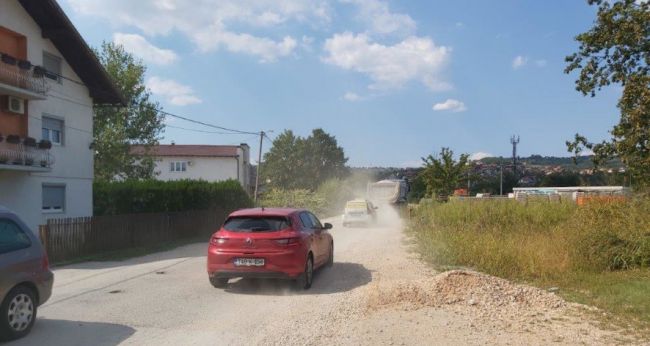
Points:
point(115, 291)
point(161, 272)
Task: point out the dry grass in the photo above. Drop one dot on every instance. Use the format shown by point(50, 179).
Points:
point(598, 253)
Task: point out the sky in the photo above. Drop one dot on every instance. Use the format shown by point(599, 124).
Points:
point(393, 81)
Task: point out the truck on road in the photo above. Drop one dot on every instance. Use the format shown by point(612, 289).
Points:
point(389, 191)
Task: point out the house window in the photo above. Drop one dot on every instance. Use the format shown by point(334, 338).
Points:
point(53, 198)
point(52, 130)
point(52, 65)
point(178, 166)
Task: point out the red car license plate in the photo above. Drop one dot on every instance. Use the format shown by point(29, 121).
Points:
point(249, 262)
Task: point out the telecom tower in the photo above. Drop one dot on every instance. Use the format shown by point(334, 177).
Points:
point(514, 140)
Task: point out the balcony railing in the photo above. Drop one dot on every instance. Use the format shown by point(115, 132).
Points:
point(32, 79)
point(23, 157)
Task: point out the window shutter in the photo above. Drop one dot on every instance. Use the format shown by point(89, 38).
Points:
point(53, 124)
point(52, 63)
point(53, 197)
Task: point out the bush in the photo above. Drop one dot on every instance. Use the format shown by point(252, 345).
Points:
point(538, 240)
point(151, 196)
point(296, 198)
point(327, 200)
point(612, 235)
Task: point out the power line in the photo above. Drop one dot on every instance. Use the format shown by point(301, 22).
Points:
point(173, 115)
point(205, 124)
point(70, 100)
point(153, 108)
point(204, 131)
point(64, 125)
point(163, 112)
point(229, 130)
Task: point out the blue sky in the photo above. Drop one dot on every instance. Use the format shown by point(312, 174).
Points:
point(392, 80)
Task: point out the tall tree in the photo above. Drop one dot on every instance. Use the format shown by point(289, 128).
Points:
point(117, 128)
point(324, 159)
point(617, 51)
point(442, 174)
point(282, 162)
point(294, 162)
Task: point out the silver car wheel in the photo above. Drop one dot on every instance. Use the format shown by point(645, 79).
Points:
point(21, 312)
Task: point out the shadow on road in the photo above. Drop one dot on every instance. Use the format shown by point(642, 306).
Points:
point(62, 332)
point(198, 249)
point(341, 277)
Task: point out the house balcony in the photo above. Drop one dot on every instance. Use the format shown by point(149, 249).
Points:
point(25, 155)
point(21, 80)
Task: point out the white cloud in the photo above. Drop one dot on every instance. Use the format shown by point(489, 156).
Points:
point(414, 58)
point(450, 105)
point(519, 62)
point(141, 48)
point(350, 96)
point(479, 156)
point(209, 23)
point(266, 49)
point(380, 20)
point(174, 92)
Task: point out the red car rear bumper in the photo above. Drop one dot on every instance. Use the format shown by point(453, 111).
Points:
point(287, 264)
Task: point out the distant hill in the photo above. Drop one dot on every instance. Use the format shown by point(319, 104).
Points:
point(582, 162)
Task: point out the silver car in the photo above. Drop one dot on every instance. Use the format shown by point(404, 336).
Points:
point(25, 276)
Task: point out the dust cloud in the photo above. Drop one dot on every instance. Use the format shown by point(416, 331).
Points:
point(356, 187)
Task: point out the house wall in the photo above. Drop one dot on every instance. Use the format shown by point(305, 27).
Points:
point(209, 168)
point(244, 166)
point(206, 168)
point(15, 45)
point(73, 166)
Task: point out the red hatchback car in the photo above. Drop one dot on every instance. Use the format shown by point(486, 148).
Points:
point(270, 243)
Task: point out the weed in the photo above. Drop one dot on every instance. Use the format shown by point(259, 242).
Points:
point(598, 253)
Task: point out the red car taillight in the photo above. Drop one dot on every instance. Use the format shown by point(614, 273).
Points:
point(45, 262)
point(218, 241)
point(287, 241)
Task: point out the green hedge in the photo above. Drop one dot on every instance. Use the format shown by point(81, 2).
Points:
point(153, 196)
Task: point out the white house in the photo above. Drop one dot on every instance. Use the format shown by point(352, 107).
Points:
point(49, 81)
point(207, 162)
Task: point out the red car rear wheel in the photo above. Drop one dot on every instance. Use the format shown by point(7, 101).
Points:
point(330, 260)
point(219, 282)
point(306, 278)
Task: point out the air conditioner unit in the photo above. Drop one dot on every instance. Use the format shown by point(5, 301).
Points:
point(15, 105)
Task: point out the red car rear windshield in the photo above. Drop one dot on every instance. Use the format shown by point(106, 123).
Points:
point(256, 224)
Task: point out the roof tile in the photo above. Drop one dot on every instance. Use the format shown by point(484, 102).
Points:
point(187, 150)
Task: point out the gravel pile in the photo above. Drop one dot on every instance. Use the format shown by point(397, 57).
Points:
point(469, 288)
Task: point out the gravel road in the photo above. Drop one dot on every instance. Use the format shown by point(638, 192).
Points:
point(378, 292)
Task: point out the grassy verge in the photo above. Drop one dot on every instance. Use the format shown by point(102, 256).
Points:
point(124, 254)
point(622, 294)
point(598, 254)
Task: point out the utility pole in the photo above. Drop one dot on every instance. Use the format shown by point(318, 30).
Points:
point(514, 140)
point(259, 166)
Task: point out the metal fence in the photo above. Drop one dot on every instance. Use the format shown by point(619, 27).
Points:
point(24, 155)
point(73, 238)
point(29, 79)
